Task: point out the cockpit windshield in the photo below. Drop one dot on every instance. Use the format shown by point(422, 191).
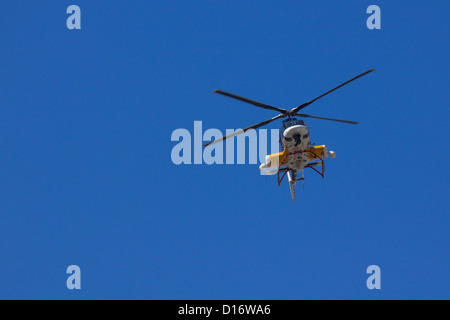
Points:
point(299, 122)
point(292, 122)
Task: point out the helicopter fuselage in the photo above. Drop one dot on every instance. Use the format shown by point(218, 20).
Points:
point(297, 150)
point(294, 136)
point(297, 153)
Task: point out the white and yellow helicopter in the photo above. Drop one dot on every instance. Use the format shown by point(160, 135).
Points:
point(297, 153)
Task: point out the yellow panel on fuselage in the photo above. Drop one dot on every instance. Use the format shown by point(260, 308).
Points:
point(318, 152)
point(276, 160)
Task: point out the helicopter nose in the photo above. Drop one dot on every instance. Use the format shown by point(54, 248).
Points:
point(297, 139)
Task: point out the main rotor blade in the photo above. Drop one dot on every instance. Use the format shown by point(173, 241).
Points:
point(321, 118)
point(328, 92)
point(244, 130)
point(255, 103)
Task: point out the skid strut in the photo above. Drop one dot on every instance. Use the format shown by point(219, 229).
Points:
point(310, 153)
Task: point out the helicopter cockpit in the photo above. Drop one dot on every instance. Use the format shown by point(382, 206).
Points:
point(290, 123)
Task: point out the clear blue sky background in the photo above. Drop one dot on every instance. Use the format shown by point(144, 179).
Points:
point(86, 176)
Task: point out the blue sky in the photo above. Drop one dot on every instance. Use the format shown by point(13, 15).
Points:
point(86, 176)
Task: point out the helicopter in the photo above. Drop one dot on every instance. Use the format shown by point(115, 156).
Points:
point(298, 153)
